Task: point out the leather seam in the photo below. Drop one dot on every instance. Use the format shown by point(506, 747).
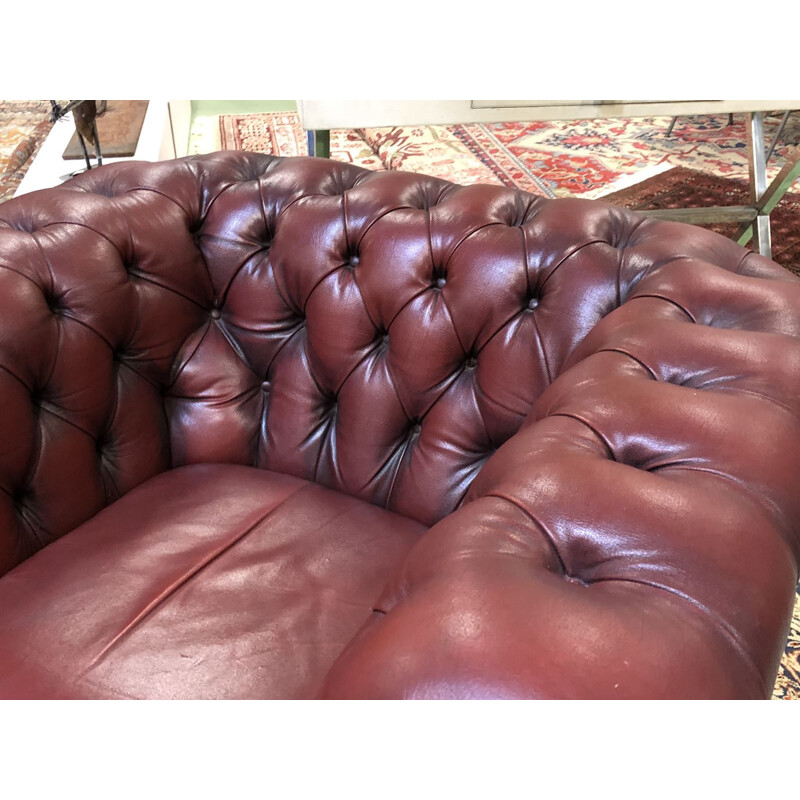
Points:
point(187, 360)
point(655, 296)
point(188, 575)
point(147, 279)
point(568, 256)
point(622, 352)
point(543, 530)
point(591, 427)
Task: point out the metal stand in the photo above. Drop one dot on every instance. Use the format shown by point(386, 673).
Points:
point(757, 164)
point(763, 198)
point(773, 194)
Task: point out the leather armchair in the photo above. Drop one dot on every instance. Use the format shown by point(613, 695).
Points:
point(286, 428)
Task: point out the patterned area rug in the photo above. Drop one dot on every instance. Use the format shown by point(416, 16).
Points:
point(687, 188)
point(434, 150)
point(451, 152)
point(583, 158)
point(587, 158)
point(787, 687)
point(280, 133)
point(23, 128)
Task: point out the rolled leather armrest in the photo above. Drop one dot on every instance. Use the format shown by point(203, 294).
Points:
point(637, 538)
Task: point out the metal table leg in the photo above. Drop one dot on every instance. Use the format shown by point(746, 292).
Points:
point(775, 191)
point(757, 162)
point(778, 133)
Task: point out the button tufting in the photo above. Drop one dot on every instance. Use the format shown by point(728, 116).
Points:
point(440, 282)
point(215, 313)
point(265, 386)
point(354, 259)
point(416, 427)
point(53, 303)
point(20, 497)
point(532, 303)
point(471, 362)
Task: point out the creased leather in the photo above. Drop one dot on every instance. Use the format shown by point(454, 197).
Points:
point(616, 394)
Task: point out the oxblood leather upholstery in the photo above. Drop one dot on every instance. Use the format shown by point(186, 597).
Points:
point(237, 390)
point(211, 580)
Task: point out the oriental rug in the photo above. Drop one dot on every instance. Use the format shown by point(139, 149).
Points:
point(24, 126)
point(570, 158)
point(592, 157)
point(589, 158)
point(280, 133)
point(787, 686)
point(687, 188)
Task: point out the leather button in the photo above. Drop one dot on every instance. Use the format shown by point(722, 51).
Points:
point(440, 282)
point(471, 362)
point(533, 303)
point(265, 386)
point(214, 313)
point(354, 261)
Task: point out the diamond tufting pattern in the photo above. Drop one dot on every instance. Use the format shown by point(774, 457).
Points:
point(361, 300)
point(559, 384)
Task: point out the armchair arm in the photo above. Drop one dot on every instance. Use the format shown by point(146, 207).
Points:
point(636, 538)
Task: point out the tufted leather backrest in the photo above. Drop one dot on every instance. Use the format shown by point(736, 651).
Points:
point(380, 333)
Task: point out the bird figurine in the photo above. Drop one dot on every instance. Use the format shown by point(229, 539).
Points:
point(85, 113)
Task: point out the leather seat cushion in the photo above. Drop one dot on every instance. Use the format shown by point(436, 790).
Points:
point(207, 581)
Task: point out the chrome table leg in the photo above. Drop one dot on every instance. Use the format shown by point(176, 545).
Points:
point(757, 163)
point(782, 182)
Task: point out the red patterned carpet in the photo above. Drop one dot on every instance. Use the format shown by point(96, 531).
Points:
point(687, 188)
point(23, 127)
point(280, 133)
point(579, 158)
